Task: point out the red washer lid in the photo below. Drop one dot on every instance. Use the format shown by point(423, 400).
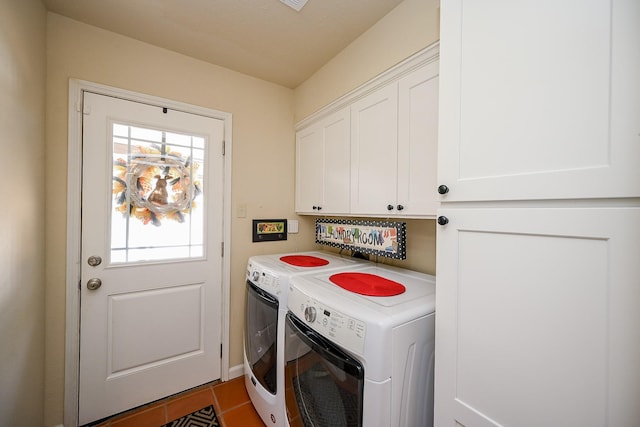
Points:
point(367, 284)
point(304, 260)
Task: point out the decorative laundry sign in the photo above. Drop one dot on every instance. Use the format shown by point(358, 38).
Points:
point(383, 238)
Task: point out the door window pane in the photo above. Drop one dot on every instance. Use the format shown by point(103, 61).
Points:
point(157, 204)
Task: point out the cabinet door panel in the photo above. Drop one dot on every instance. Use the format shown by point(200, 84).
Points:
point(537, 314)
point(322, 166)
point(374, 136)
point(540, 100)
point(309, 157)
point(337, 162)
point(418, 141)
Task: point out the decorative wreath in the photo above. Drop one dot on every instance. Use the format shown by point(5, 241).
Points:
point(155, 185)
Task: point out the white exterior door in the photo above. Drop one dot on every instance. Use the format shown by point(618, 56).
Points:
point(152, 211)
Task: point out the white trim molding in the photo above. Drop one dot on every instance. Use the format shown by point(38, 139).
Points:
point(74, 193)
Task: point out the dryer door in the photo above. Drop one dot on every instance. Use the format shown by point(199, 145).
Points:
point(260, 338)
point(323, 384)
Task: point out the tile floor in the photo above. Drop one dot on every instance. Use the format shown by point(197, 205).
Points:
point(230, 400)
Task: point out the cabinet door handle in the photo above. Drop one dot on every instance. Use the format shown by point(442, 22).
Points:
point(389, 207)
point(443, 220)
point(400, 207)
point(443, 189)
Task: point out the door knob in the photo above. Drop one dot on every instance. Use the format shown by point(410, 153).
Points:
point(94, 284)
point(94, 261)
point(443, 189)
point(443, 220)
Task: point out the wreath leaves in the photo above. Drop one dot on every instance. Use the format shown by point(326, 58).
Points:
point(143, 167)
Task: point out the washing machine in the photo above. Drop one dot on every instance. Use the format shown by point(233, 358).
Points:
point(267, 281)
point(360, 348)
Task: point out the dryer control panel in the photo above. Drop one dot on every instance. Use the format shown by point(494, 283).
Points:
point(341, 329)
point(264, 279)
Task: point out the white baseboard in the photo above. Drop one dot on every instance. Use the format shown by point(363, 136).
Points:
point(236, 371)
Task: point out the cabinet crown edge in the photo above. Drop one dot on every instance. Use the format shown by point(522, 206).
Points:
point(419, 59)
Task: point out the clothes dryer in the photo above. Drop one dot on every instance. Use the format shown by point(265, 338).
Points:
point(360, 348)
point(267, 282)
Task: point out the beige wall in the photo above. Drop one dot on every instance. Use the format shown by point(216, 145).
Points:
point(263, 156)
point(263, 142)
point(22, 293)
point(411, 26)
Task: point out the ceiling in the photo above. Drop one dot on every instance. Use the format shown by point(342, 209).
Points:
point(262, 38)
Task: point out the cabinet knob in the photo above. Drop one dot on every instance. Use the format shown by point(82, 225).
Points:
point(443, 220)
point(443, 189)
point(400, 207)
point(389, 207)
point(319, 207)
point(314, 208)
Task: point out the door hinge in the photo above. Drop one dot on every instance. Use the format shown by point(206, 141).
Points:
point(224, 147)
point(222, 249)
point(220, 350)
point(80, 285)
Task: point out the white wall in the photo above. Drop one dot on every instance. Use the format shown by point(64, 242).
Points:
point(22, 293)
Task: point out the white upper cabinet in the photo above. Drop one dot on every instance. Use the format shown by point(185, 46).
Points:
point(374, 148)
point(384, 136)
point(394, 142)
point(309, 165)
point(540, 100)
point(322, 166)
point(418, 141)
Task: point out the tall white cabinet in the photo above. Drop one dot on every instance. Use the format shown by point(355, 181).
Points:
point(538, 297)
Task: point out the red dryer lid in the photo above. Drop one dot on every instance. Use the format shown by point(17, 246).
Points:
point(304, 260)
point(367, 284)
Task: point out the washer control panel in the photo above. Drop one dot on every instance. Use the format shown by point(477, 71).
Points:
point(264, 279)
point(341, 329)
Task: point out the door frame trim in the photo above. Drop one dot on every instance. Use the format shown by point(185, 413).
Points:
point(74, 199)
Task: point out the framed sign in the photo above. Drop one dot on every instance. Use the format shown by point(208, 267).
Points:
point(383, 238)
point(267, 230)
